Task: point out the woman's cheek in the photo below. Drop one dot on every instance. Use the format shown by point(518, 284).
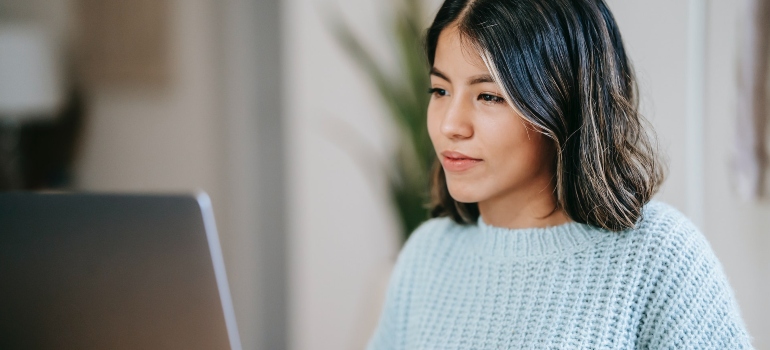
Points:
point(434, 125)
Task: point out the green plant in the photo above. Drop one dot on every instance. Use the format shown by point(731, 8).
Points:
point(405, 95)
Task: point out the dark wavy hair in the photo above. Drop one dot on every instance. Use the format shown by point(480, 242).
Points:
point(562, 65)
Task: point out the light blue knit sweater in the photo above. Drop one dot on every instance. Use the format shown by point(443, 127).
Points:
point(572, 286)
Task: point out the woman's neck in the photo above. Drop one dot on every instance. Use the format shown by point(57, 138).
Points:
point(520, 209)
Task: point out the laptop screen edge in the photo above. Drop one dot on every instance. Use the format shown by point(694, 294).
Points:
point(204, 201)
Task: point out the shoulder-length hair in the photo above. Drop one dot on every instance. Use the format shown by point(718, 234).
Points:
point(562, 65)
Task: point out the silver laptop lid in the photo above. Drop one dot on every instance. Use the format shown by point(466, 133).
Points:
point(95, 271)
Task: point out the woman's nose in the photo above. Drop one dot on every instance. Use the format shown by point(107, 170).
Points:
point(457, 122)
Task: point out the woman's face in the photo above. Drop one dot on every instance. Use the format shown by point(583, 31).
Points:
point(488, 151)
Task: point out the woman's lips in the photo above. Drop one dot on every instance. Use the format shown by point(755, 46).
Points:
point(456, 161)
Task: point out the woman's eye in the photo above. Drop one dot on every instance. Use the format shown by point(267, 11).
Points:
point(437, 91)
point(491, 98)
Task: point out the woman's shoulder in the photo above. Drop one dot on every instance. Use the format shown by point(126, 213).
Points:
point(673, 238)
point(661, 216)
point(662, 221)
point(695, 303)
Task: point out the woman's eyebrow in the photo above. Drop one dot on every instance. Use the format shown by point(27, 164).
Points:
point(484, 78)
point(438, 73)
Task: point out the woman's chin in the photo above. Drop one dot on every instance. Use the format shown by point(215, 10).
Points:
point(465, 194)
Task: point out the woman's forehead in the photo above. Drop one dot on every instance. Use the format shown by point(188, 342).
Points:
point(457, 56)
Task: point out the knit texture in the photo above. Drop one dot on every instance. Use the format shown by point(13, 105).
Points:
point(571, 286)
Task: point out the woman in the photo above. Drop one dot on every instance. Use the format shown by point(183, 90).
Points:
point(543, 233)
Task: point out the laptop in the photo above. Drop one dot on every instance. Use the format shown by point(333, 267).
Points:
point(112, 271)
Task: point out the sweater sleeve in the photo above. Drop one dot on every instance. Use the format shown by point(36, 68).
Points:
point(693, 306)
point(391, 328)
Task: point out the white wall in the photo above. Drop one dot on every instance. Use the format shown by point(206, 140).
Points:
point(342, 233)
point(739, 232)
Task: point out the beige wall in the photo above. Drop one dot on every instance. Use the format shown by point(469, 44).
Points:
point(185, 137)
point(159, 139)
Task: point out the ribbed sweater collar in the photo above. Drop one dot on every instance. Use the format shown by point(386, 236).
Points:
point(534, 242)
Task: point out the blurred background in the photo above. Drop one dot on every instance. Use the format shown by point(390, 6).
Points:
point(274, 109)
